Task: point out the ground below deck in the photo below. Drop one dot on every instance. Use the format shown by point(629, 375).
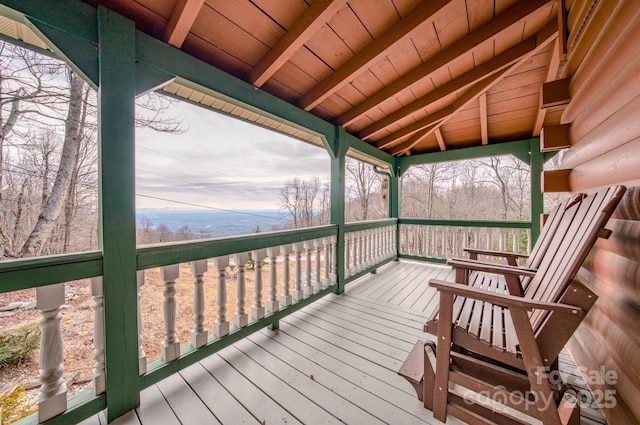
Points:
point(334, 361)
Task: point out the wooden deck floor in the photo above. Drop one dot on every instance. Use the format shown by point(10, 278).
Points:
point(334, 361)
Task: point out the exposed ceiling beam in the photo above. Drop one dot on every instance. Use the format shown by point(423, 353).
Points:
point(484, 126)
point(552, 73)
point(510, 17)
point(317, 15)
point(464, 81)
point(543, 37)
point(443, 146)
point(371, 53)
point(181, 21)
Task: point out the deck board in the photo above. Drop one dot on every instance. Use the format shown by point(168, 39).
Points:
point(334, 361)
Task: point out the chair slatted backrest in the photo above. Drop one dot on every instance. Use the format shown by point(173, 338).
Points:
point(569, 247)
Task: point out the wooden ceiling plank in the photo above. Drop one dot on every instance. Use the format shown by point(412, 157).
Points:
point(512, 16)
point(441, 144)
point(465, 80)
point(552, 72)
point(484, 127)
point(182, 19)
point(545, 36)
point(452, 53)
point(373, 52)
point(306, 26)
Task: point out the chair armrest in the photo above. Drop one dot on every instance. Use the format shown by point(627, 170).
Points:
point(495, 253)
point(491, 268)
point(503, 300)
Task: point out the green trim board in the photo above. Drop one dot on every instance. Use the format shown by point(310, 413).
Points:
point(537, 198)
point(33, 272)
point(520, 149)
point(80, 407)
point(423, 259)
point(465, 223)
point(158, 255)
point(372, 224)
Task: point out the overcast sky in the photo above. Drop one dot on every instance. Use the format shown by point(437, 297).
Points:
point(220, 162)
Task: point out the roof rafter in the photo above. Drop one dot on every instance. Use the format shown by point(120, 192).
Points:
point(301, 31)
point(543, 37)
point(484, 125)
point(465, 80)
point(506, 19)
point(371, 53)
point(441, 143)
point(181, 21)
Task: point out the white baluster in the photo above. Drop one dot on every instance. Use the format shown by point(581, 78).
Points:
point(326, 242)
point(307, 289)
point(368, 237)
point(273, 305)
point(257, 311)
point(53, 393)
point(297, 278)
point(360, 246)
point(317, 279)
point(240, 317)
point(142, 356)
point(170, 347)
point(199, 333)
point(285, 299)
point(221, 324)
point(334, 259)
point(347, 254)
point(98, 335)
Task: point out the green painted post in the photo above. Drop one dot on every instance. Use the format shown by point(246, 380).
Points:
point(116, 138)
point(394, 201)
point(537, 198)
point(338, 162)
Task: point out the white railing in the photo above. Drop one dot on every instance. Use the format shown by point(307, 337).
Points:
point(368, 244)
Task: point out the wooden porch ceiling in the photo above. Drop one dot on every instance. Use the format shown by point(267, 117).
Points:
point(406, 76)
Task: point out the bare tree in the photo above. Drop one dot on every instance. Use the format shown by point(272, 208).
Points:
point(364, 181)
point(306, 201)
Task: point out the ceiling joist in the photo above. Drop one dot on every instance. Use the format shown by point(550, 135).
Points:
point(300, 32)
point(181, 21)
point(462, 82)
point(543, 37)
point(506, 19)
point(370, 54)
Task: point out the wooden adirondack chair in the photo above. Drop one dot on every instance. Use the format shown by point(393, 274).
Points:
point(500, 331)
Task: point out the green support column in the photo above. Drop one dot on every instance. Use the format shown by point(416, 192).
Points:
point(394, 201)
point(338, 163)
point(116, 138)
point(537, 199)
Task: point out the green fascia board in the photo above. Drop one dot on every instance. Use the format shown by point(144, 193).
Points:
point(41, 271)
point(372, 224)
point(158, 255)
point(370, 150)
point(149, 79)
point(520, 149)
point(32, 47)
point(466, 223)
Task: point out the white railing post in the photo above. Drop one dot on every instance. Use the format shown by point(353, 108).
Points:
point(53, 393)
point(257, 310)
point(273, 305)
point(170, 347)
point(142, 356)
point(221, 324)
point(334, 259)
point(326, 281)
point(199, 333)
point(317, 279)
point(297, 278)
point(307, 289)
point(97, 293)
point(285, 299)
point(240, 317)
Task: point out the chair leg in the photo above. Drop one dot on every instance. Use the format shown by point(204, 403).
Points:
point(443, 350)
point(429, 374)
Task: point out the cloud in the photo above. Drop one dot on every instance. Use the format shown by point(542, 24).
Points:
point(220, 162)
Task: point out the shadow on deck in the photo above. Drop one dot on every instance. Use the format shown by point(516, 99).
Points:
point(334, 361)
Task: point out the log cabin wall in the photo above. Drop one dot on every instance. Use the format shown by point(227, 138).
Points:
point(603, 67)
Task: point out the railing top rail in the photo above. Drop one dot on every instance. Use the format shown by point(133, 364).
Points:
point(372, 224)
point(514, 224)
point(158, 255)
point(32, 272)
